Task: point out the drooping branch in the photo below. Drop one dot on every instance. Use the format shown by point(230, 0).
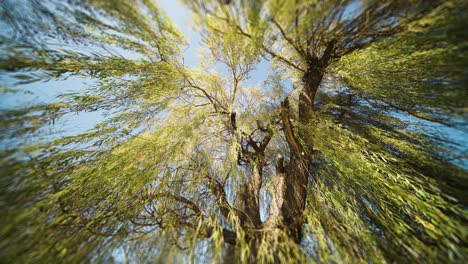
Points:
point(228, 236)
point(190, 204)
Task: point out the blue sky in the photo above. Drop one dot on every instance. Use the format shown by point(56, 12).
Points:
point(182, 18)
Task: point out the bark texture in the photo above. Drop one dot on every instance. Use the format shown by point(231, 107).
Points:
point(290, 182)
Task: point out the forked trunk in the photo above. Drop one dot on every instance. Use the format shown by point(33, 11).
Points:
point(297, 171)
point(291, 180)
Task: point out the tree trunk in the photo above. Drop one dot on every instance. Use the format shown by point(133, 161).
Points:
point(251, 197)
point(311, 80)
point(295, 196)
point(300, 157)
point(291, 180)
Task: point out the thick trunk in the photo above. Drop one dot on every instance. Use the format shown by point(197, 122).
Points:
point(311, 80)
point(295, 196)
point(251, 197)
point(300, 158)
point(290, 183)
point(277, 201)
point(291, 180)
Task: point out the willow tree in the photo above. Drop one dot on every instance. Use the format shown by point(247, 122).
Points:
point(329, 159)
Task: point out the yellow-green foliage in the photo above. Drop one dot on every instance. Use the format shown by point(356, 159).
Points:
point(140, 183)
point(367, 202)
point(421, 70)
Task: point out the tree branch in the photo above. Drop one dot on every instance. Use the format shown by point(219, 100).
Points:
point(293, 143)
point(218, 191)
point(265, 48)
point(290, 41)
point(190, 204)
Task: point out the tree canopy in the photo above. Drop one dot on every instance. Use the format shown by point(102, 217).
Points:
point(310, 131)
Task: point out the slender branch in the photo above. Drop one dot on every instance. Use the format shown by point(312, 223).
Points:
point(190, 204)
point(290, 41)
point(269, 51)
point(245, 34)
